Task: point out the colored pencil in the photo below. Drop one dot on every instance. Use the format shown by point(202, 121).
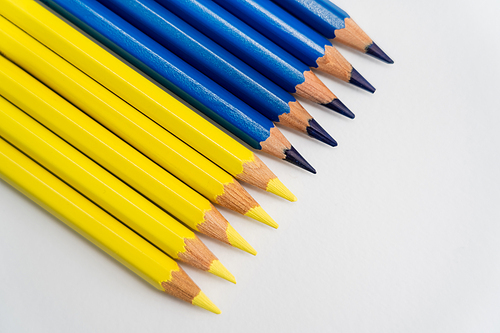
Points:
point(256, 50)
point(106, 190)
point(218, 64)
point(138, 131)
point(184, 80)
point(295, 37)
point(144, 95)
point(97, 226)
point(98, 143)
point(334, 23)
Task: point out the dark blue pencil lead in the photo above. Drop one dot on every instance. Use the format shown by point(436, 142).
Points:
point(293, 156)
point(376, 52)
point(339, 107)
point(359, 81)
point(316, 131)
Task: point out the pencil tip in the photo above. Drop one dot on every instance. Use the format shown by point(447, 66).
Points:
point(316, 131)
point(236, 240)
point(376, 52)
point(277, 187)
point(258, 213)
point(359, 81)
point(293, 156)
point(218, 269)
point(204, 302)
point(339, 107)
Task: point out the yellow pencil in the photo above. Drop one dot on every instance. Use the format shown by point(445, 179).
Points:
point(98, 227)
point(132, 126)
point(105, 190)
point(142, 94)
point(116, 156)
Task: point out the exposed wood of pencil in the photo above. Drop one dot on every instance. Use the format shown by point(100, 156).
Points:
point(237, 198)
point(352, 35)
point(216, 226)
point(258, 174)
point(298, 118)
point(182, 287)
point(335, 64)
point(198, 255)
point(314, 90)
point(276, 144)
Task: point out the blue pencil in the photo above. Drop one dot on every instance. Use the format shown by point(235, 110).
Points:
point(256, 50)
point(295, 37)
point(203, 93)
point(218, 64)
point(333, 23)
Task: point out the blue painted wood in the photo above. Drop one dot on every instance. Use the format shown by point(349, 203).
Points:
point(205, 55)
point(281, 27)
point(166, 68)
point(321, 15)
point(241, 40)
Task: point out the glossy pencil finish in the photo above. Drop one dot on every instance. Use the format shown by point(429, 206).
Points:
point(252, 47)
point(97, 226)
point(142, 94)
point(215, 62)
point(106, 190)
point(203, 93)
point(295, 37)
point(101, 145)
point(333, 23)
point(138, 131)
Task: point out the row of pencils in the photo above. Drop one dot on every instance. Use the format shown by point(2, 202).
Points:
point(127, 165)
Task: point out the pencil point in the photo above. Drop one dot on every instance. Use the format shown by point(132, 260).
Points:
point(359, 81)
point(316, 131)
point(236, 240)
point(339, 107)
point(204, 302)
point(218, 269)
point(293, 156)
point(276, 186)
point(259, 214)
point(376, 52)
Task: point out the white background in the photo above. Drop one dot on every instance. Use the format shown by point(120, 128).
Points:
point(398, 232)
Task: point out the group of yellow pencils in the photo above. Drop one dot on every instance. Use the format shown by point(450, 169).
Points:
point(116, 157)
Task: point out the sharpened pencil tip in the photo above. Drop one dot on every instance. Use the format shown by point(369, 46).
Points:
point(218, 269)
point(316, 131)
point(359, 81)
point(277, 187)
point(236, 240)
point(258, 213)
point(293, 156)
point(376, 52)
point(204, 302)
point(339, 107)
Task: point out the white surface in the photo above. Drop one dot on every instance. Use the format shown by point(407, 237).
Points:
point(398, 232)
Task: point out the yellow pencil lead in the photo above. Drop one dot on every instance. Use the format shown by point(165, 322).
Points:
point(218, 269)
point(277, 187)
point(236, 240)
point(204, 302)
point(259, 214)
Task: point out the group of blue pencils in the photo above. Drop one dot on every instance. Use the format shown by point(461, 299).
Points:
point(240, 62)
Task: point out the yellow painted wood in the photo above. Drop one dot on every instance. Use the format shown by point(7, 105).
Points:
point(95, 141)
point(112, 112)
point(128, 84)
point(84, 217)
point(92, 180)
